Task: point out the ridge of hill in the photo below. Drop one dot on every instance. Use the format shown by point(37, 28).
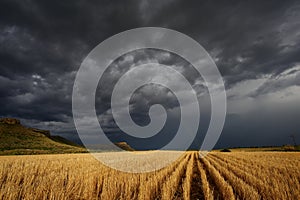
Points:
point(17, 139)
point(124, 146)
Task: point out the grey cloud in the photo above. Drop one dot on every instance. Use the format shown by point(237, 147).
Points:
point(253, 30)
point(282, 81)
point(42, 44)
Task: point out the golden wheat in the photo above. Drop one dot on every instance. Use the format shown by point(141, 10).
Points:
point(236, 175)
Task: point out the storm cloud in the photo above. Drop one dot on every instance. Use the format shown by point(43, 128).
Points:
point(255, 45)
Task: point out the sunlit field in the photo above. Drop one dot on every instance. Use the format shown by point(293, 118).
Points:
point(235, 175)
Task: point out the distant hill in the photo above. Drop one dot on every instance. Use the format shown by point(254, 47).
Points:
point(254, 149)
point(124, 146)
point(18, 139)
point(118, 146)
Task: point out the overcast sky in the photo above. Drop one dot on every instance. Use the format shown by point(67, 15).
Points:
point(255, 44)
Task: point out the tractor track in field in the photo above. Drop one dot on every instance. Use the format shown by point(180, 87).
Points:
point(196, 191)
point(211, 182)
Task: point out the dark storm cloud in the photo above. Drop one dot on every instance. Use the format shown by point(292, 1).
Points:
point(51, 39)
point(145, 96)
point(55, 36)
point(247, 38)
point(42, 44)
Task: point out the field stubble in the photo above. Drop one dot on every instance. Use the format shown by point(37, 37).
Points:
point(236, 175)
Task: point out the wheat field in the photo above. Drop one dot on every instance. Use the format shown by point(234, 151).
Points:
point(235, 175)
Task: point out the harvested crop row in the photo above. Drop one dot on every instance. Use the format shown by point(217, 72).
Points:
point(224, 189)
point(188, 178)
point(241, 188)
point(269, 183)
point(171, 185)
point(205, 186)
point(261, 169)
point(247, 177)
point(151, 187)
point(196, 180)
point(250, 160)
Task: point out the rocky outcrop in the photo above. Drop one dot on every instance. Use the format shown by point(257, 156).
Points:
point(10, 121)
point(13, 121)
point(124, 146)
point(45, 132)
